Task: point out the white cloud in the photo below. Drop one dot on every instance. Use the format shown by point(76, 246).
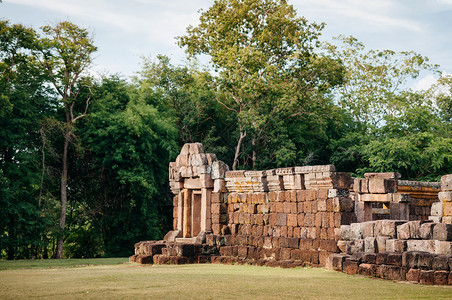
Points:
point(381, 14)
point(428, 81)
point(447, 2)
point(98, 10)
point(153, 22)
point(155, 15)
point(125, 30)
point(425, 83)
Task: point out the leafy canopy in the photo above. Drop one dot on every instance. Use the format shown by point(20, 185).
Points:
point(374, 78)
point(264, 56)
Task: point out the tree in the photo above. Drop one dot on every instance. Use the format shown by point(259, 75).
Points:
point(373, 79)
point(24, 101)
point(187, 95)
point(394, 128)
point(264, 57)
point(122, 176)
point(416, 141)
point(441, 93)
point(66, 53)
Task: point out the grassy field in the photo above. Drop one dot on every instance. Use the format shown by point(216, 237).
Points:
point(115, 278)
point(59, 263)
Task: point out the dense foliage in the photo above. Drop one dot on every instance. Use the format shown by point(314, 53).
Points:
point(269, 75)
point(84, 160)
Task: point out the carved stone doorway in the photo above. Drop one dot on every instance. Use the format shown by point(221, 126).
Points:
point(196, 213)
point(192, 213)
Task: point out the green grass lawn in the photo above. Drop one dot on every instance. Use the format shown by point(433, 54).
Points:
point(59, 263)
point(115, 278)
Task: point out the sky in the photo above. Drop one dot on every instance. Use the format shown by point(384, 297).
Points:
point(125, 31)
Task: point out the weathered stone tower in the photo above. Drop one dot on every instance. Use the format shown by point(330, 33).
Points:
point(194, 176)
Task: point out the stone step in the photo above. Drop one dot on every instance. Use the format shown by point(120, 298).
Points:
point(161, 259)
point(186, 240)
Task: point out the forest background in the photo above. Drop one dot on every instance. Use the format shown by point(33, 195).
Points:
point(84, 160)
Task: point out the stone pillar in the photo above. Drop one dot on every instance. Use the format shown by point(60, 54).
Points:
point(206, 219)
point(196, 208)
point(445, 198)
point(186, 224)
point(180, 210)
point(368, 211)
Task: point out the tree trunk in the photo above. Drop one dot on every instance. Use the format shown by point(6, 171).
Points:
point(11, 237)
point(253, 158)
point(44, 252)
point(63, 210)
point(43, 163)
point(10, 252)
point(237, 148)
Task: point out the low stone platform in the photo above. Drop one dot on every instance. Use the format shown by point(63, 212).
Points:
point(416, 251)
point(417, 267)
point(177, 252)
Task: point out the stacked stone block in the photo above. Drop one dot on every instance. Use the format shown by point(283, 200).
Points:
point(324, 177)
point(201, 173)
point(396, 236)
point(164, 252)
point(417, 267)
point(418, 251)
point(219, 213)
point(442, 210)
point(271, 216)
point(385, 196)
point(422, 196)
point(145, 251)
point(195, 169)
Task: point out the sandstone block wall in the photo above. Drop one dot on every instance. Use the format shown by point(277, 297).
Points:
point(385, 196)
point(289, 208)
point(304, 215)
point(396, 236)
point(419, 251)
point(281, 214)
point(442, 210)
point(286, 225)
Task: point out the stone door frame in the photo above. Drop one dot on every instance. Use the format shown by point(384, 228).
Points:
point(187, 222)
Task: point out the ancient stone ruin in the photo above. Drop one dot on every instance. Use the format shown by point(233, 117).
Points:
point(378, 226)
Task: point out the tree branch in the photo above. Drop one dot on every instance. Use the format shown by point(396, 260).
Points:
point(84, 113)
point(219, 101)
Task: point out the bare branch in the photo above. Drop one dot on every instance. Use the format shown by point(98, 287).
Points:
point(46, 65)
point(237, 148)
point(231, 109)
point(84, 113)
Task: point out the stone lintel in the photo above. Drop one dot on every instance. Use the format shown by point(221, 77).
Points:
point(376, 198)
point(192, 183)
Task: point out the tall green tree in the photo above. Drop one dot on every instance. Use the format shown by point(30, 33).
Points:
point(186, 95)
point(441, 92)
point(373, 79)
point(66, 54)
point(24, 101)
point(416, 143)
point(267, 70)
point(395, 128)
point(123, 172)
